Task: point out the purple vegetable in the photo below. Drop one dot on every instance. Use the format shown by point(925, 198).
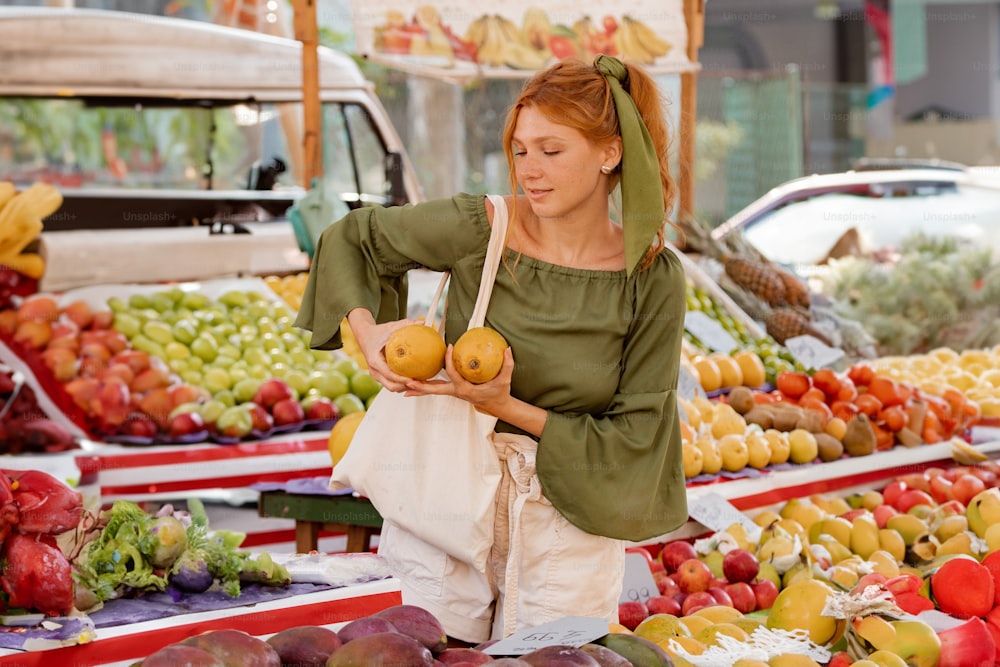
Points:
point(191, 574)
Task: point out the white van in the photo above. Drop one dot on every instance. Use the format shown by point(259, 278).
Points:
point(177, 143)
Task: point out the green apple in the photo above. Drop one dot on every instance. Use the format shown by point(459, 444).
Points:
point(298, 381)
point(139, 302)
point(205, 347)
point(159, 331)
point(345, 365)
point(363, 385)
point(212, 409)
point(184, 331)
point(244, 390)
point(226, 397)
point(348, 403)
point(175, 350)
point(192, 377)
point(145, 344)
point(234, 299)
point(194, 300)
point(127, 323)
point(330, 383)
point(216, 378)
point(234, 422)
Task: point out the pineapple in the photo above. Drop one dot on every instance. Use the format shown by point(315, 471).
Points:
point(785, 323)
point(756, 277)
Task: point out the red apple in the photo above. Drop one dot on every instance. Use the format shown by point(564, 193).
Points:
point(271, 391)
point(183, 392)
point(111, 403)
point(913, 497)
point(970, 643)
point(287, 411)
point(262, 420)
point(693, 575)
point(139, 425)
point(185, 423)
point(740, 565)
point(963, 587)
point(667, 585)
point(882, 514)
point(841, 659)
point(631, 613)
point(742, 595)
point(721, 596)
point(320, 408)
point(676, 552)
point(137, 360)
point(149, 379)
point(695, 601)
point(992, 563)
point(765, 591)
point(662, 604)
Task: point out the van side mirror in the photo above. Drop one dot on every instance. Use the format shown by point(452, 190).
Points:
point(394, 177)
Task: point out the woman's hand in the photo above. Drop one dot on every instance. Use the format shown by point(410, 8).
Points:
point(488, 397)
point(371, 339)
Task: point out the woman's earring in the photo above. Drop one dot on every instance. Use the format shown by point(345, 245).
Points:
point(606, 170)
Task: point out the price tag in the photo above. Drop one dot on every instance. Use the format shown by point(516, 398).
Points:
point(715, 512)
point(638, 583)
point(569, 631)
point(709, 332)
point(813, 353)
point(688, 385)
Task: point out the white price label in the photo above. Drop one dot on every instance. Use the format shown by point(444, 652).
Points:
point(688, 385)
point(709, 332)
point(638, 583)
point(813, 353)
point(569, 631)
point(715, 512)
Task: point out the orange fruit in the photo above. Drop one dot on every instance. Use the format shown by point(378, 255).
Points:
point(415, 351)
point(708, 373)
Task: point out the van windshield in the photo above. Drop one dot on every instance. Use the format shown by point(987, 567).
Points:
point(76, 144)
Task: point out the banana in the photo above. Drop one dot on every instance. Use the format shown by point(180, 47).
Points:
point(30, 264)
point(522, 56)
point(476, 32)
point(629, 47)
point(650, 41)
point(21, 217)
point(490, 52)
point(964, 453)
point(7, 192)
point(511, 33)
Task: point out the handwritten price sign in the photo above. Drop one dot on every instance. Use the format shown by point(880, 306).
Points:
point(570, 631)
point(638, 583)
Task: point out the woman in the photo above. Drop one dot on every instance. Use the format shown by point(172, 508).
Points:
point(593, 312)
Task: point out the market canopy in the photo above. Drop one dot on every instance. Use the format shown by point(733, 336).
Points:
point(513, 39)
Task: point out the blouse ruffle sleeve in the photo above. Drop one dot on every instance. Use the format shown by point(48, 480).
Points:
point(620, 473)
point(362, 259)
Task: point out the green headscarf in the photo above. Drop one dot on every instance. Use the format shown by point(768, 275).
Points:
point(642, 190)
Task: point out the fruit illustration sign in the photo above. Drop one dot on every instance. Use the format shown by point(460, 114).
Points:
point(511, 38)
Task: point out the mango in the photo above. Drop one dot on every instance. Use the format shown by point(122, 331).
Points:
point(640, 652)
point(176, 654)
point(366, 625)
point(418, 623)
point(463, 656)
point(382, 648)
point(559, 656)
point(306, 645)
point(604, 656)
point(799, 606)
point(235, 648)
point(478, 354)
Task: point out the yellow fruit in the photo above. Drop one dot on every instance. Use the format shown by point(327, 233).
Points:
point(792, 660)
point(690, 645)
point(803, 446)
point(729, 370)
point(752, 367)
point(694, 624)
point(766, 518)
point(415, 351)
point(618, 628)
point(733, 449)
point(659, 627)
point(342, 433)
point(780, 447)
point(758, 450)
point(799, 606)
point(710, 635)
point(726, 421)
point(693, 458)
point(836, 427)
point(708, 373)
point(478, 354)
point(711, 460)
point(718, 613)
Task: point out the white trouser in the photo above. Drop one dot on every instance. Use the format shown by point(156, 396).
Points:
point(541, 567)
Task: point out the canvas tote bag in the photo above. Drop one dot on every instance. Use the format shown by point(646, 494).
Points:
point(427, 463)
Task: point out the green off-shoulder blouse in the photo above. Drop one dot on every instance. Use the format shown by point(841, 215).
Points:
point(599, 350)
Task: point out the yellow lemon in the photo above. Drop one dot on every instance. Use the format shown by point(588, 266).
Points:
point(342, 433)
point(729, 370)
point(708, 373)
point(752, 367)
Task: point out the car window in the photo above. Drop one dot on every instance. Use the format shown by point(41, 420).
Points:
point(804, 232)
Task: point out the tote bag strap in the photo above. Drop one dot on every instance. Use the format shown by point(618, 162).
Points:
point(498, 237)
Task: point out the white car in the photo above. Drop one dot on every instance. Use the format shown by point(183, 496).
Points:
point(875, 207)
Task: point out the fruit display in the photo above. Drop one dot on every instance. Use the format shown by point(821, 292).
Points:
point(774, 295)
point(425, 34)
point(822, 417)
point(180, 365)
point(774, 356)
